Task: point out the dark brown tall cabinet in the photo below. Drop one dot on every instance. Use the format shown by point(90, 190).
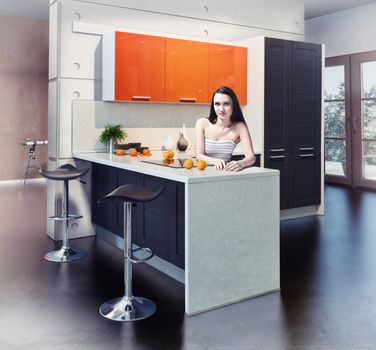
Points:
point(293, 119)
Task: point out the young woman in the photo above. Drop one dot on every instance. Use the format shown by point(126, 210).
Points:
point(218, 135)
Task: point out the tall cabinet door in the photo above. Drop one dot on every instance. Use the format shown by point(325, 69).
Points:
point(293, 119)
point(277, 136)
point(139, 67)
point(228, 66)
point(186, 71)
point(305, 115)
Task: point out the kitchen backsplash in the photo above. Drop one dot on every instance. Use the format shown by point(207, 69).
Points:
point(148, 123)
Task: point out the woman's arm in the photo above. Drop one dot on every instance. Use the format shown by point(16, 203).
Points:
point(200, 145)
point(250, 157)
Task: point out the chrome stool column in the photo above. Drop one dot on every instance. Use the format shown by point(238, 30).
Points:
point(129, 307)
point(65, 173)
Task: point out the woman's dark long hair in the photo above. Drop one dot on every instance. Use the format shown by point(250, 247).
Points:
point(237, 114)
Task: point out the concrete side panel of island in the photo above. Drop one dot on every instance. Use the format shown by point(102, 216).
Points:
point(232, 241)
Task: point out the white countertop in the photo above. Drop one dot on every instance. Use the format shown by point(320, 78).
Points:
point(176, 174)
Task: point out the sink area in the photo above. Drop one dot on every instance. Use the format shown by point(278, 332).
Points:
point(172, 163)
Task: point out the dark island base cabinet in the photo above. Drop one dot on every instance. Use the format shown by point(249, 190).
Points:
point(158, 225)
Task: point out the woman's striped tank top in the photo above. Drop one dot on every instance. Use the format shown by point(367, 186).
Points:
point(220, 149)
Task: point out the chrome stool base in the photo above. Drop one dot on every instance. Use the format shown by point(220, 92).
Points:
point(127, 309)
point(65, 255)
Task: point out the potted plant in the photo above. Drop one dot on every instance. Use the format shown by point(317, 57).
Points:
point(111, 134)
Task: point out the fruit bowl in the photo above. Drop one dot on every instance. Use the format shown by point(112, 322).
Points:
point(134, 144)
point(140, 149)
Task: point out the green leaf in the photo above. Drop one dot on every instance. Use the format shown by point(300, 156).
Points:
point(112, 131)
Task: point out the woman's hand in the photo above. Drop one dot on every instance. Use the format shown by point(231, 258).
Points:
point(233, 166)
point(219, 164)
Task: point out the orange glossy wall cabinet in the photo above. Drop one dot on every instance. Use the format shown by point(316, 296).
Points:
point(139, 67)
point(150, 68)
point(186, 71)
point(228, 66)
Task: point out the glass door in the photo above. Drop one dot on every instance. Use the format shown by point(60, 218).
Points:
point(363, 76)
point(337, 125)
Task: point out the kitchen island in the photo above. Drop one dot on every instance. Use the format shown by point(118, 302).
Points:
point(229, 222)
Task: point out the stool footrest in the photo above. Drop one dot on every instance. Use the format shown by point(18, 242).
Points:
point(64, 218)
point(135, 260)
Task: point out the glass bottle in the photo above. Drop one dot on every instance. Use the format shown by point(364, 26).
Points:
point(182, 143)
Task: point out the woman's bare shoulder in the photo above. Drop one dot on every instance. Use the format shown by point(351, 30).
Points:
point(240, 126)
point(202, 122)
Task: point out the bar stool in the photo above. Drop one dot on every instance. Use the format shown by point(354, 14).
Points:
point(65, 173)
point(128, 307)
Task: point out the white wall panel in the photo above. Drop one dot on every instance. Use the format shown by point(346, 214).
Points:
point(108, 67)
point(254, 110)
point(70, 90)
point(53, 115)
point(345, 32)
point(285, 15)
point(54, 200)
point(54, 41)
point(81, 56)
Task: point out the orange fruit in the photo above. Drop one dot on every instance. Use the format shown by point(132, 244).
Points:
point(133, 152)
point(201, 164)
point(167, 161)
point(120, 152)
point(146, 152)
point(188, 164)
point(168, 155)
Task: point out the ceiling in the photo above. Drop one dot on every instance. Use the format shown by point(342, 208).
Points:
point(39, 8)
point(25, 8)
point(316, 8)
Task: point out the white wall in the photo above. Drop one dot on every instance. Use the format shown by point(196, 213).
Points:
point(344, 32)
point(23, 93)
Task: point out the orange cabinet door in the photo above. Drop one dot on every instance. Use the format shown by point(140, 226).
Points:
point(139, 67)
point(228, 66)
point(186, 71)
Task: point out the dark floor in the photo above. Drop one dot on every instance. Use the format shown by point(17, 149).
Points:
point(327, 301)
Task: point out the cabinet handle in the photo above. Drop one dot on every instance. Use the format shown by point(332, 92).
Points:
point(306, 155)
point(277, 157)
point(277, 150)
point(188, 99)
point(141, 98)
point(306, 148)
